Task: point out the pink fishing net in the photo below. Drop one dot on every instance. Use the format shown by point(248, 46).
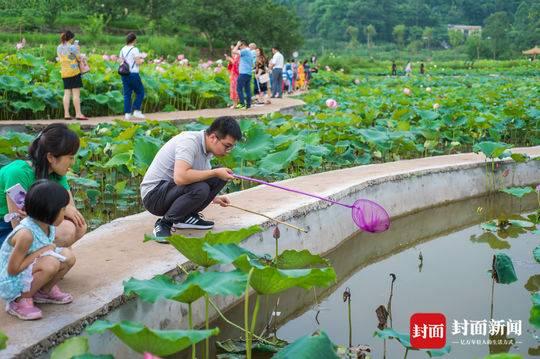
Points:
point(370, 216)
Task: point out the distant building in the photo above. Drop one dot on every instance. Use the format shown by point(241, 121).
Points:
point(465, 29)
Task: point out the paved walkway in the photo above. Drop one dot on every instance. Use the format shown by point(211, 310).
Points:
point(277, 105)
point(115, 251)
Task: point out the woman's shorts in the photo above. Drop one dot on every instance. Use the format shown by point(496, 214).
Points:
point(74, 82)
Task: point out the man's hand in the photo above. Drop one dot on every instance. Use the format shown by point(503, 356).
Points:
point(224, 173)
point(222, 201)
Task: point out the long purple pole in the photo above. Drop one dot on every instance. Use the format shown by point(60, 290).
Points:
point(292, 190)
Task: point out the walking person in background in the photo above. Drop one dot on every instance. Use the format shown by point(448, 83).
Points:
point(232, 68)
point(245, 69)
point(394, 68)
point(408, 69)
point(69, 55)
point(132, 82)
point(422, 69)
point(262, 77)
point(307, 72)
point(300, 83)
point(276, 64)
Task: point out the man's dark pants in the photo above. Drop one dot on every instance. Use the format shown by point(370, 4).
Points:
point(175, 203)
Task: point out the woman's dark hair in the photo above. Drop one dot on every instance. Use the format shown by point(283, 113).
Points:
point(44, 201)
point(223, 126)
point(131, 37)
point(56, 139)
point(66, 36)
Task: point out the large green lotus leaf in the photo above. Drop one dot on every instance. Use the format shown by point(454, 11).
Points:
point(520, 157)
point(271, 280)
point(144, 151)
point(83, 181)
point(228, 253)
point(3, 340)
point(92, 356)
point(536, 254)
point(70, 348)
point(428, 115)
point(405, 340)
point(194, 287)
point(277, 161)
point(128, 133)
point(518, 191)
point(292, 259)
point(491, 239)
point(316, 346)
point(10, 83)
point(100, 98)
point(503, 356)
point(491, 149)
point(121, 159)
point(535, 310)
point(192, 247)
point(267, 279)
point(35, 105)
point(158, 342)
point(257, 145)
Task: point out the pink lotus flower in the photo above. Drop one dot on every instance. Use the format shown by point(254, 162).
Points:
point(21, 44)
point(114, 58)
point(436, 106)
point(407, 91)
point(217, 69)
point(150, 356)
point(506, 172)
point(331, 103)
point(143, 55)
point(209, 62)
point(538, 189)
point(180, 57)
point(160, 69)
point(106, 57)
point(157, 61)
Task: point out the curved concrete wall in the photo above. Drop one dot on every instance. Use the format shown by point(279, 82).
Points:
point(115, 252)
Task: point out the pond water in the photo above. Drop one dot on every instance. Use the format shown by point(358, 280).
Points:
point(452, 278)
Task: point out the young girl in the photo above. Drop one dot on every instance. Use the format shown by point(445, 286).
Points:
point(30, 264)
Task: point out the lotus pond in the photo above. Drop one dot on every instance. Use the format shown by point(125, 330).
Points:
point(375, 121)
point(437, 260)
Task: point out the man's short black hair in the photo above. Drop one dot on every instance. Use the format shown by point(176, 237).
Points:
point(223, 126)
point(44, 200)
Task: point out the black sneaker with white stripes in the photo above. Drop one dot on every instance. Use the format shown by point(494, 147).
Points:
point(195, 221)
point(162, 230)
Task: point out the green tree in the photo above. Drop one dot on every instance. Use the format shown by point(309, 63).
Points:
point(51, 10)
point(474, 44)
point(455, 37)
point(427, 36)
point(370, 33)
point(496, 30)
point(399, 34)
point(352, 31)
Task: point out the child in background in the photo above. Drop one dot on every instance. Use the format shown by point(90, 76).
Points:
point(289, 72)
point(30, 264)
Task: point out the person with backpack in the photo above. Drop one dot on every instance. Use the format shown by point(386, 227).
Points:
point(131, 58)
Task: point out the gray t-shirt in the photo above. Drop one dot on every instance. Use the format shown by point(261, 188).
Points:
point(188, 146)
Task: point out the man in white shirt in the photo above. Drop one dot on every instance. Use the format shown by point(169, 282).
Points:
point(276, 64)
